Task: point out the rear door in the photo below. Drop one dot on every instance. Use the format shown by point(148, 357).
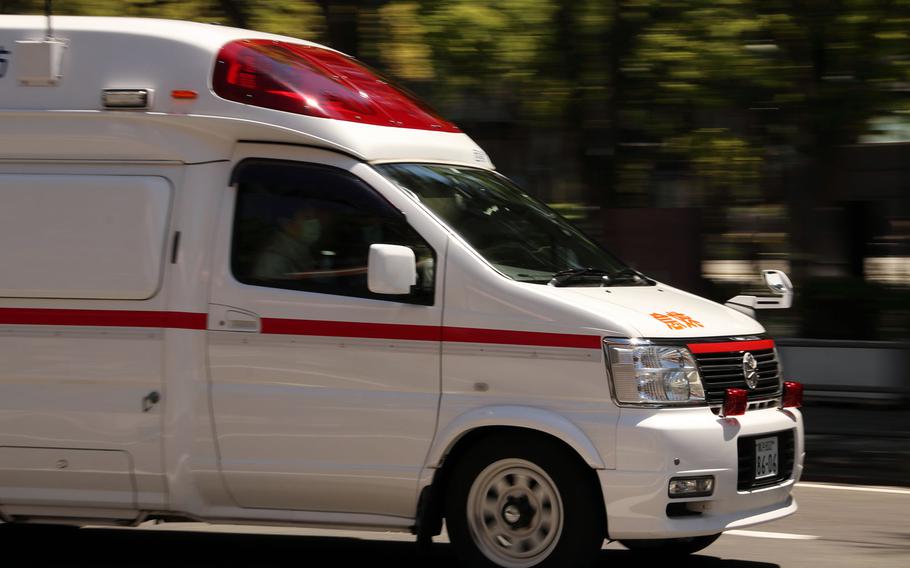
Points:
point(325, 395)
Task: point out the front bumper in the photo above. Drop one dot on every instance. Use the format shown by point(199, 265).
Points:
point(649, 442)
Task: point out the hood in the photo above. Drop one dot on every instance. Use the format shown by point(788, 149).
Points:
point(660, 311)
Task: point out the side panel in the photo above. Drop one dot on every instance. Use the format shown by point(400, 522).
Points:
point(525, 417)
point(190, 455)
point(533, 368)
point(49, 476)
point(77, 373)
point(324, 424)
point(82, 236)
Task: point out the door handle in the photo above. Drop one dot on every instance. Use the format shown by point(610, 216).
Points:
point(150, 400)
point(227, 318)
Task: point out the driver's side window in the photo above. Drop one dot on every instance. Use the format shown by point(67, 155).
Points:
point(309, 227)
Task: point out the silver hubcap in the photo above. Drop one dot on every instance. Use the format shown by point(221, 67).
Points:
point(515, 513)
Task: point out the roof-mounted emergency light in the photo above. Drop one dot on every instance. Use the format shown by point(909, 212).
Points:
point(315, 81)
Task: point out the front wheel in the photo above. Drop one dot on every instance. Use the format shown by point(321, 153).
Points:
point(671, 546)
point(518, 503)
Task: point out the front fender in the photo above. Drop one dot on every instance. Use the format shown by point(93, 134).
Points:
point(526, 417)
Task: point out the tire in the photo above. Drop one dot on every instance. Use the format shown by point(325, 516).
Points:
point(28, 531)
point(671, 546)
point(522, 502)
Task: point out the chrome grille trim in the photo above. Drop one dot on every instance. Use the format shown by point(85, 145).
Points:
point(719, 372)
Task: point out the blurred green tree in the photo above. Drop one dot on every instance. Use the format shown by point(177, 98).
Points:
point(842, 63)
point(646, 102)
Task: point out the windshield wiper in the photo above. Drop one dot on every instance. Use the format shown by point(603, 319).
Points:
point(565, 277)
point(628, 275)
point(599, 277)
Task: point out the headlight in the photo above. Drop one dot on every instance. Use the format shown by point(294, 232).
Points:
point(653, 374)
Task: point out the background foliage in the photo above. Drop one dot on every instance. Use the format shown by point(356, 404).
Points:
point(758, 121)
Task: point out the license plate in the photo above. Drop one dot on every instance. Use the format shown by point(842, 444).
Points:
point(765, 457)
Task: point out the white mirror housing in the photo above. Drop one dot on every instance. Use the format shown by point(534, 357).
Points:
point(392, 269)
point(780, 286)
point(778, 282)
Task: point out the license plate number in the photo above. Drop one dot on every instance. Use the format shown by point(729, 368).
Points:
point(765, 457)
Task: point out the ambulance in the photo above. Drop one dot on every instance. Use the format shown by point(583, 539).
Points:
point(245, 279)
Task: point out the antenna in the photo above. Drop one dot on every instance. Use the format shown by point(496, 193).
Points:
point(41, 61)
point(48, 9)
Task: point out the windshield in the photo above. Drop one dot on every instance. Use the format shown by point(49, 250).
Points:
point(520, 236)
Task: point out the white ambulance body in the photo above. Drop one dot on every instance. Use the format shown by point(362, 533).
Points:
point(242, 280)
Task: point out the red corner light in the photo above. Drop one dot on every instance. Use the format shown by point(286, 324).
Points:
point(319, 82)
point(735, 402)
point(793, 394)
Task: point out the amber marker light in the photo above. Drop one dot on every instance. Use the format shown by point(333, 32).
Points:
point(184, 95)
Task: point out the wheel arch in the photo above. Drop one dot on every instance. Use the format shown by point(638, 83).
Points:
point(472, 427)
point(516, 418)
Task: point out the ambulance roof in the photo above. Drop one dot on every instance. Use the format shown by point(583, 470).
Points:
point(314, 95)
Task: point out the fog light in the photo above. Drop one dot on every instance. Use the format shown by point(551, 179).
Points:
point(702, 486)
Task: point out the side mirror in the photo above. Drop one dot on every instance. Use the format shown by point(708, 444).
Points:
point(779, 285)
point(392, 269)
point(778, 282)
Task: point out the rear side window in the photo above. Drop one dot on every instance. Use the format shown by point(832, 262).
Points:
point(309, 228)
point(82, 236)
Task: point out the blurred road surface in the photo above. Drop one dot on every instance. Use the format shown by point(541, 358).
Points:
point(856, 443)
point(836, 526)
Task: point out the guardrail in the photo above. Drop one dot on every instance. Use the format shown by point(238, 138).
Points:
point(857, 371)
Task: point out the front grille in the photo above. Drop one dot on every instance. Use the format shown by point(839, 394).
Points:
point(746, 451)
point(720, 371)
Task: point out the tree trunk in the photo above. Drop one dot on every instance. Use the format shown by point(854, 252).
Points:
point(341, 20)
point(236, 13)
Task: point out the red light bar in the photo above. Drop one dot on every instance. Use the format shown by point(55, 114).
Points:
point(726, 346)
point(793, 394)
point(318, 82)
point(735, 402)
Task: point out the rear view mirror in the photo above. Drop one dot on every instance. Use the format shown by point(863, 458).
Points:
point(392, 269)
point(780, 286)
